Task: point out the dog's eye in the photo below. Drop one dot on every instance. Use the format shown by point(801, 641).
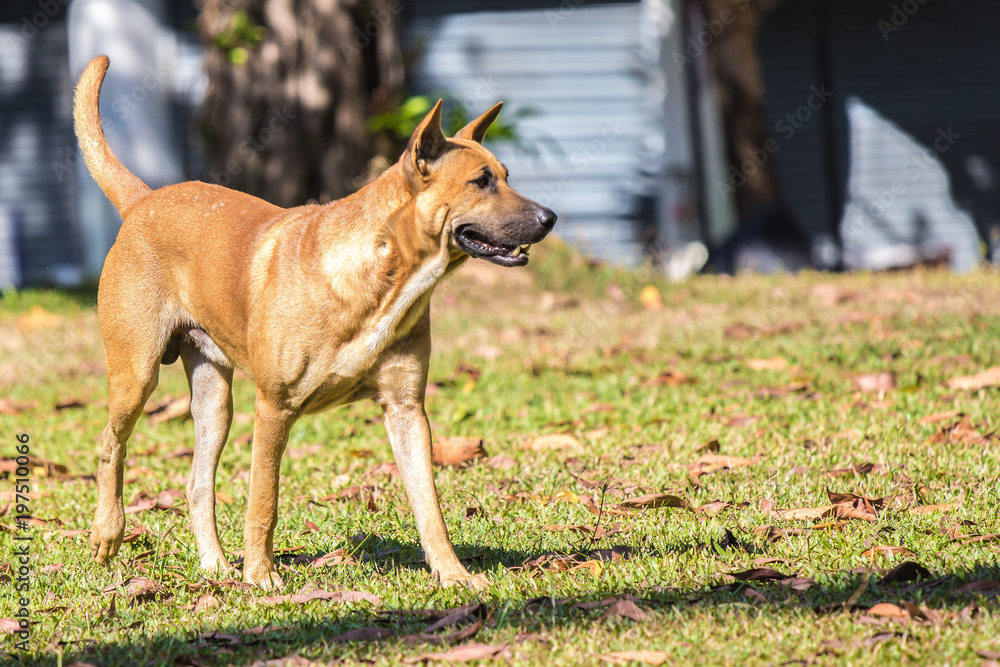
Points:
point(484, 181)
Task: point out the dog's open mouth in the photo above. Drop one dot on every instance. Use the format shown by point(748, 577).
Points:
point(479, 245)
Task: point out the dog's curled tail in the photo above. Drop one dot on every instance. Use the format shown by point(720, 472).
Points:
point(121, 186)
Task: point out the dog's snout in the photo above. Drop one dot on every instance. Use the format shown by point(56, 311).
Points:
point(547, 218)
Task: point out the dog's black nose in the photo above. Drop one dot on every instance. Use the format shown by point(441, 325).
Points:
point(547, 218)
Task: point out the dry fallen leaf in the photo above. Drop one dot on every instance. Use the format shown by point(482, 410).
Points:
point(9, 625)
point(336, 596)
point(626, 657)
point(463, 653)
point(171, 407)
point(457, 451)
point(625, 609)
point(205, 602)
point(940, 416)
point(12, 408)
point(987, 378)
point(552, 441)
point(875, 382)
point(653, 500)
point(806, 513)
point(708, 463)
point(363, 635)
point(770, 364)
point(888, 610)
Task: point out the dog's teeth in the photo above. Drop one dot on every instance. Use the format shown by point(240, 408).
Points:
point(524, 248)
point(517, 251)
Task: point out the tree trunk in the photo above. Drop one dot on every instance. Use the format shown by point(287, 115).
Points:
point(736, 65)
point(291, 83)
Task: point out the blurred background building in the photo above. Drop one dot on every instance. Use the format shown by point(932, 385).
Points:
point(655, 128)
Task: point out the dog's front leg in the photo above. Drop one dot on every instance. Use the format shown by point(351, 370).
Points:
point(270, 435)
point(410, 435)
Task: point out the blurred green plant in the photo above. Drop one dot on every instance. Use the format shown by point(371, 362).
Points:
point(403, 120)
point(243, 34)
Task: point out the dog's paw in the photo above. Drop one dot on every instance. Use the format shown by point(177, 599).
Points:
point(476, 583)
point(215, 564)
point(106, 534)
point(264, 578)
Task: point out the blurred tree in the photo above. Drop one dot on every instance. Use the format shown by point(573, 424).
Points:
point(290, 86)
point(736, 65)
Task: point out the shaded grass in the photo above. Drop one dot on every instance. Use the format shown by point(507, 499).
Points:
point(554, 350)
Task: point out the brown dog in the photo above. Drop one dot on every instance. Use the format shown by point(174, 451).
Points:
point(322, 305)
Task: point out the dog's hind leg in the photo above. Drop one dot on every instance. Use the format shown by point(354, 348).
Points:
point(133, 370)
point(212, 411)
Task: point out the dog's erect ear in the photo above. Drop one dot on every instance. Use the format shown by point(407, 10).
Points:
point(427, 142)
point(476, 130)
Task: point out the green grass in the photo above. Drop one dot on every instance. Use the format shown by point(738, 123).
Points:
point(547, 350)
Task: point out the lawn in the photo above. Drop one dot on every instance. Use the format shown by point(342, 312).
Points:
point(760, 470)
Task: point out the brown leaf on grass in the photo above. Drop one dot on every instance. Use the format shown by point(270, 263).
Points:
point(501, 462)
point(70, 402)
point(962, 431)
point(806, 513)
point(368, 634)
point(652, 501)
point(457, 451)
point(552, 441)
point(713, 508)
point(774, 533)
point(135, 533)
point(887, 550)
point(858, 469)
point(709, 463)
point(771, 364)
point(335, 596)
point(759, 574)
point(976, 539)
point(985, 588)
point(138, 589)
point(754, 596)
point(670, 378)
point(930, 509)
point(52, 568)
point(464, 653)
point(166, 409)
point(742, 420)
point(628, 657)
point(9, 626)
point(905, 571)
point(987, 378)
point(875, 382)
point(888, 610)
point(205, 602)
point(49, 468)
point(12, 408)
point(940, 416)
point(712, 446)
point(625, 609)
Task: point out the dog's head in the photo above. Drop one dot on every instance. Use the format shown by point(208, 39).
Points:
point(461, 190)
